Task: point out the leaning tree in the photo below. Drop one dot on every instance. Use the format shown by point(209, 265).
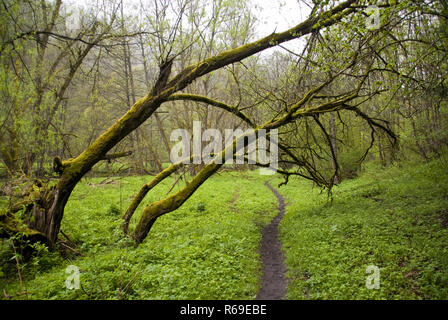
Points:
point(43, 207)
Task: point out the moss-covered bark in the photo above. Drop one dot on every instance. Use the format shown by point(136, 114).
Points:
point(171, 203)
point(47, 211)
point(138, 198)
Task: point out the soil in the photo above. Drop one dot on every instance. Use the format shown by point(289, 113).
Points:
point(273, 283)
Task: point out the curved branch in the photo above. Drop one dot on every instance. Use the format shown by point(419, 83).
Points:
point(212, 102)
point(314, 174)
point(374, 123)
point(310, 25)
point(138, 198)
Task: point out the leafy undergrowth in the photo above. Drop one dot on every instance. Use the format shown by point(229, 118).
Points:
point(395, 219)
point(208, 249)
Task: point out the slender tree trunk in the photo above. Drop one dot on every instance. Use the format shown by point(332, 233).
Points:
point(156, 116)
point(334, 145)
point(381, 151)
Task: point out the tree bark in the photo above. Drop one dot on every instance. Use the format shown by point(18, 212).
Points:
point(47, 211)
point(144, 190)
point(161, 207)
point(335, 148)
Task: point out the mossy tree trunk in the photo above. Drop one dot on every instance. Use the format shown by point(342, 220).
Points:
point(46, 212)
point(173, 202)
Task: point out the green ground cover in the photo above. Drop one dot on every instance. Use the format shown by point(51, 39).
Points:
point(208, 249)
point(396, 219)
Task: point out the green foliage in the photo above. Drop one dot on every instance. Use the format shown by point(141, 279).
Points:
point(208, 249)
point(392, 218)
point(114, 210)
point(201, 207)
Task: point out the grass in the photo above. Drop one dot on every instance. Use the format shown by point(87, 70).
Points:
point(395, 219)
point(208, 249)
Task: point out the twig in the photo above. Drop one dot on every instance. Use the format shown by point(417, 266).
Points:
point(18, 270)
point(68, 239)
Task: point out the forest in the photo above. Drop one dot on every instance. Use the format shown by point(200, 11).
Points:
point(223, 150)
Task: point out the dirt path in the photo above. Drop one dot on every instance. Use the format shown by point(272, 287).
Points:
point(274, 281)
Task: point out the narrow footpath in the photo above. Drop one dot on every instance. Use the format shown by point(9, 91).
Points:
point(274, 282)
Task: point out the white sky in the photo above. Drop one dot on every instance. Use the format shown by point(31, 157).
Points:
point(272, 15)
point(279, 15)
